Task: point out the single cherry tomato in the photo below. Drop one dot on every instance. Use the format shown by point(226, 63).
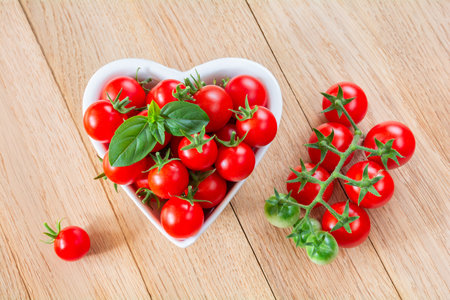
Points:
point(310, 190)
point(243, 86)
point(404, 141)
point(235, 163)
point(384, 186)
point(181, 219)
point(321, 248)
point(259, 124)
point(70, 243)
point(162, 93)
point(124, 175)
point(202, 156)
point(101, 121)
point(225, 132)
point(167, 136)
point(168, 180)
point(127, 87)
point(357, 108)
point(279, 213)
point(360, 228)
point(216, 103)
point(342, 139)
point(213, 189)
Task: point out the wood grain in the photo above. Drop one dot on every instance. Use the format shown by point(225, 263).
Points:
point(397, 51)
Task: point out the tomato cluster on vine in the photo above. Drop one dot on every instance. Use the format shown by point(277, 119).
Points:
point(182, 144)
point(367, 183)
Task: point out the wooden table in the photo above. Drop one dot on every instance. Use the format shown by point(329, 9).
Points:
point(396, 50)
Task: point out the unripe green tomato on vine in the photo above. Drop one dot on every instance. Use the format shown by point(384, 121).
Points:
point(281, 214)
point(322, 248)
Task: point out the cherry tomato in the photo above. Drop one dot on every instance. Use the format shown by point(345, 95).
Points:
point(281, 214)
point(175, 141)
point(162, 93)
point(235, 163)
point(385, 186)
point(342, 139)
point(360, 228)
point(167, 136)
point(130, 88)
point(261, 128)
point(124, 175)
point(224, 134)
point(180, 219)
point(310, 190)
point(216, 103)
point(404, 141)
point(357, 108)
point(142, 179)
point(171, 180)
point(322, 248)
point(213, 188)
point(195, 160)
point(302, 233)
point(70, 243)
point(248, 86)
point(101, 121)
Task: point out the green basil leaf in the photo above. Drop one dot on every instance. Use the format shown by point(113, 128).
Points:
point(131, 142)
point(157, 130)
point(184, 118)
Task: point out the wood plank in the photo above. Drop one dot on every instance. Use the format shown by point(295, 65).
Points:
point(398, 52)
point(164, 31)
point(221, 262)
point(43, 177)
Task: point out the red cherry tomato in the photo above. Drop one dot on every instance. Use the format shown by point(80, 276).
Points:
point(175, 141)
point(245, 85)
point(167, 136)
point(70, 243)
point(357, 108)
point(162, 93)
point(261, 128)
point(101, 121)
point(342, 139)
point(171, 180)
point(130, 88)
point(142, 179)
point(404, 141)
point(235, 163)
point(385, 186)
point(216, 103)
point(224, 134)
point(213, 188)
point(360, 228)
point(310, 190)
point(195, 160)
point(180, 219)
point(124, 175)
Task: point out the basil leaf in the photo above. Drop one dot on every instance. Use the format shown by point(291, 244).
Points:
point(184, 118)
point(131, 142)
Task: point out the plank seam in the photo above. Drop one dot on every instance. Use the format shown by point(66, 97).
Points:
point(84, 145)
point(309, 123)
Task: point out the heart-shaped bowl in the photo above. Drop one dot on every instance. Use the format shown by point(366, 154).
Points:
point(215, 69)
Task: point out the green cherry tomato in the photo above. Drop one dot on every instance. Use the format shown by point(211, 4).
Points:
point(281, 214)
point(322, 248)
point(301, 233)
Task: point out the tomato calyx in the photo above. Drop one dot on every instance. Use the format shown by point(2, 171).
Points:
point(344, 219)
point(160, 162)
point(245, 113)
point(223, 83)
point(337, 102)
point(305, 176)
point(182, 94)
point(197, 140)
point(196, 177)
point(52, 234)
point(189, 196)
point(385, 151)
point(144, 82)
point(147, 195)
point(365, 184)
point(302, 229)
point(119, 105)
point(324, 144)
point(195, 85)
point(233, 142)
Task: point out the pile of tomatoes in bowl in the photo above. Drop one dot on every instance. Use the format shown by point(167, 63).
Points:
point(190, 141)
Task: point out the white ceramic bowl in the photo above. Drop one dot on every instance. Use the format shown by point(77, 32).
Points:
point(215, 69)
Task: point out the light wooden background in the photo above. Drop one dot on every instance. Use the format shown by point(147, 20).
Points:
point(397, 51)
